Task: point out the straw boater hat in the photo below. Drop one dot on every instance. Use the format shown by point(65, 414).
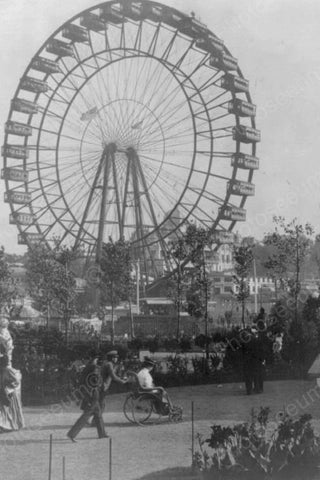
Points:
point(147, 362)
point(112, 353)
point(4, 322)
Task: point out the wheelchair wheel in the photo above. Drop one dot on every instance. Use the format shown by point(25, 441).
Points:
point(128, 406)
point(142, 408)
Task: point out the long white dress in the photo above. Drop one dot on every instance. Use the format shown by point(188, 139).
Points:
point(6, 343)
point(11, 416)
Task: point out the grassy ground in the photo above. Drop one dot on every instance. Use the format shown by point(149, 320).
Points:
point(153, 452)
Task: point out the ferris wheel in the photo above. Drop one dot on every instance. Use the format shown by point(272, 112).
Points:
point(132, 120)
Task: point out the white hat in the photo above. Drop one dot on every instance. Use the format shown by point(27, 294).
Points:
point(4, 322)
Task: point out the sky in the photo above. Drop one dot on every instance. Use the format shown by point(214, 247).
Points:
point(277, 44)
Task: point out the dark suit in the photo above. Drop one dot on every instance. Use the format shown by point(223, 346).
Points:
point(248, 363)
point(90, 385)
point(108, 375)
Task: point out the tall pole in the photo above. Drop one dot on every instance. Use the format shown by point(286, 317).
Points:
point(255, 287)
point(50, 458)
point(192, 432)
point(110, 458)
point(131, 318)
point(179, 298)
point(67, 306)
point(138, 286)
point(205, 304)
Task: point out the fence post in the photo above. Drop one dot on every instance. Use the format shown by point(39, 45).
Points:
point(50, 457)
point(63, 468)
point(192, 431)
point(110, 458)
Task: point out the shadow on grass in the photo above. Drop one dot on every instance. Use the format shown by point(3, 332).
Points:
point(177, 473)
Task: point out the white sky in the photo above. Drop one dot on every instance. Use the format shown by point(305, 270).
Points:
point(277, 43)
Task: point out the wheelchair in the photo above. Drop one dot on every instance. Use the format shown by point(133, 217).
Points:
point(144, 405)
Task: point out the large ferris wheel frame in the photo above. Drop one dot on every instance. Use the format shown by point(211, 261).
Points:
point(198, 67)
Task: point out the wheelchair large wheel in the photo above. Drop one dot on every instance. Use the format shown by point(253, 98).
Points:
point(142, 408)
point(128, 407)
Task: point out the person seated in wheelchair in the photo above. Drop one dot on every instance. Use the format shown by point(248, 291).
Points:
point(146, 382)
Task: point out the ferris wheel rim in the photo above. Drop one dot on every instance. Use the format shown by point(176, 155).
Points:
point(234, 171)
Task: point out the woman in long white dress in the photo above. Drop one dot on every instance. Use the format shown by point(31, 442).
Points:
point(11, 416)
point(6, 343)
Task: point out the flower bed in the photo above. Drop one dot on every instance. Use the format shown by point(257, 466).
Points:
point(260, 450)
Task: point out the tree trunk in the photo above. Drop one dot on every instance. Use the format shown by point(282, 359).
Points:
point(179, 301)
point(296, 290)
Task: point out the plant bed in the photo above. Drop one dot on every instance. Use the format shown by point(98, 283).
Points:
point(260, 450)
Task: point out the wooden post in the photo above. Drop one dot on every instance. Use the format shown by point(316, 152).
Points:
point(63, 468)
point(110, 458)
point(192, 431)
point(50, 457)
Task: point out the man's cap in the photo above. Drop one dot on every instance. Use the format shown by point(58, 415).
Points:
point(94, 353)
point(113, 353)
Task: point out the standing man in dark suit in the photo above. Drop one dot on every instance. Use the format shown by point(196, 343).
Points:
point(90, 386)
point(108, 373)
point(248, 363)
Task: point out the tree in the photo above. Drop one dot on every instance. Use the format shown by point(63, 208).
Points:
point(51, 283)
point(291, 242)
point(315, 255)
point(197, 239)
point(8, 289)
point(116, 281)
point(243, 260)
point(177, 283)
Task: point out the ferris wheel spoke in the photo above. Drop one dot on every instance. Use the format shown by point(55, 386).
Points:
point(96, 98)
point(191, 143)
point(151, 86)
point(164, 162)
point(155, 134)
point(166, 113)
point(161, 80)
point(163, 104)
point(58, 219)
point(61, 135)
point(117, 118)
point(84, 98)
point(177, 87)
point(146, 190)
point(210, 196)
point(184, 134)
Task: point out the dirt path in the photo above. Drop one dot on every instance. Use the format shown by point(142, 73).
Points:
point(137, 451)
